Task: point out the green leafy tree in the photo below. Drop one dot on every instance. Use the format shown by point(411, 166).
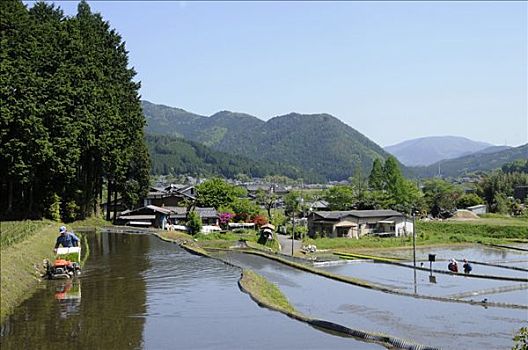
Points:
point(244, 209)
point(469, 200)
point(194, 222)
point(497, 186)
point(293, 202)
point(501, 204)
point(217, 193)
point(517, 166)
point(391, 189)
point(242, 177)
point(359, 182)
point(279, 218)
point(267, 200)
point(441, 196)
point(340, 197)
point(53, 208)
point(394, 180)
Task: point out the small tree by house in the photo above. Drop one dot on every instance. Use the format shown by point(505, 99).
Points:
point(266, 199)
point(194, 223)
point(244, 209)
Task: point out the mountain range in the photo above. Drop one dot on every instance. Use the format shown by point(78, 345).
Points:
point(319, 145)
point(315, 147)
point(429, 150)
point(487, 159)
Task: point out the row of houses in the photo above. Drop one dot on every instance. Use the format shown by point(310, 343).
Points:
point(164, 206)
point(167, 206)
point(350, 224)
point(161, 217)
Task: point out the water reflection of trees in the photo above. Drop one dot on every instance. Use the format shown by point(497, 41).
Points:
point(109, 313)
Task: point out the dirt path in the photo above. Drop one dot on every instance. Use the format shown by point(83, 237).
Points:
point(286, 244)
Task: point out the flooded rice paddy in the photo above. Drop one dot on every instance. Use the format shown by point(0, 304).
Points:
point(138, 292)
point(440, 324)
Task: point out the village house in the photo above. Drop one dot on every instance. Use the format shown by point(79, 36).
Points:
point(160, 217)
point(357, 223)
point(319, 205)
point(478, 209)
point(209, 216)
point(147, 216)
point(172, 195)
point(279, 190)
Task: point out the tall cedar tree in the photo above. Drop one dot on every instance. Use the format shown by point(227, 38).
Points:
point(71, 118)
point(375, 180)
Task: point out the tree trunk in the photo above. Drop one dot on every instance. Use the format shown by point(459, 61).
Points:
point(10, 197)
point(96, 200)
point(108, 199)
point(30, 206)
point(115, 202)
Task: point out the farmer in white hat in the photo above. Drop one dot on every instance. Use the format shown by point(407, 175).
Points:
point(66, 239)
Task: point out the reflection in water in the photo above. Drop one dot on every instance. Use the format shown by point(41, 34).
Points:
point(68, 295)
point(112, 291)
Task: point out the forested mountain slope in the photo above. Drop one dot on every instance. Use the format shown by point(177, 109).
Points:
point(319, 145)
point(173, 155)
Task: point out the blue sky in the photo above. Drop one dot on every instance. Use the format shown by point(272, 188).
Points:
point(392, 70)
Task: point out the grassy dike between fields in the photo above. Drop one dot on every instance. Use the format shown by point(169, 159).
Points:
point(268, 295)
point(21, 266)
point(22, 263)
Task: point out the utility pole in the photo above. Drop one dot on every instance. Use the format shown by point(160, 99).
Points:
point(293, 228)
point(414, 241)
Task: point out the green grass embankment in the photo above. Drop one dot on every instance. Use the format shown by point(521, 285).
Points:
point(265, 292)
point(21, 264)
point(88, 224)
point(484, 230)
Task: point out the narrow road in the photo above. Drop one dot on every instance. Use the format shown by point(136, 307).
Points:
point(286, 244)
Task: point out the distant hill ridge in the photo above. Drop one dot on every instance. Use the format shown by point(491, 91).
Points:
point(313, 143)
point(479, 161)
point(429, 150)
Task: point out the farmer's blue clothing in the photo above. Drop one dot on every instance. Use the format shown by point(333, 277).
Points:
point(68, 240)
point(467, 267)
